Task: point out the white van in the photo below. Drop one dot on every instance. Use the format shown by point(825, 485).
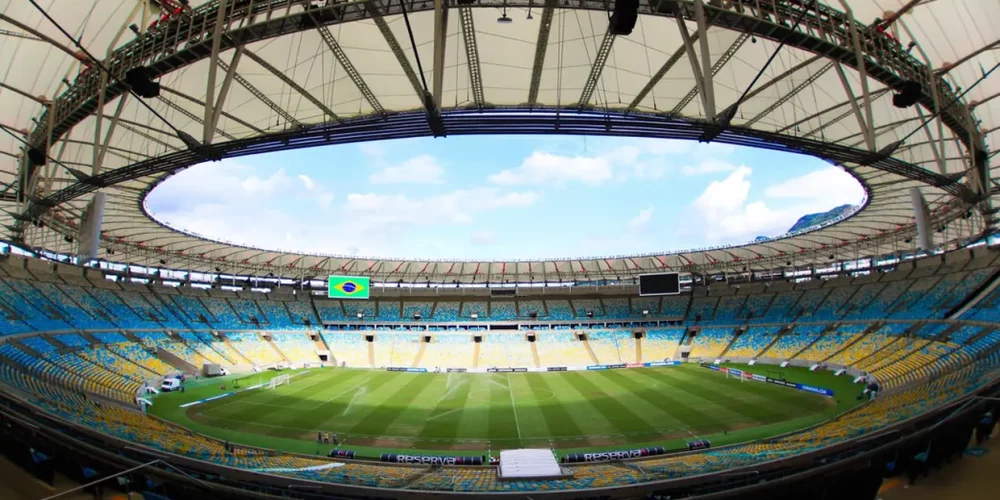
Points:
point(170, 384)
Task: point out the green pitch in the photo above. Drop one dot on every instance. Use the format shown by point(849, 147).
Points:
point(374, 411)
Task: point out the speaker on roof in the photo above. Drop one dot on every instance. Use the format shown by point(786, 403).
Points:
point(138, 79)
point(909, 93)
point(624, 16)
point(37, 156)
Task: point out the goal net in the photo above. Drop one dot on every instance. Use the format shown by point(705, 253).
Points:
point(279, 380)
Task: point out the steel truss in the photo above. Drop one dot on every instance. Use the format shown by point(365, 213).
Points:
point(516, 121)
point(187, 39)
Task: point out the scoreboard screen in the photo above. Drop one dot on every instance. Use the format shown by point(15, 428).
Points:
point(659, 284)
point(348, 287)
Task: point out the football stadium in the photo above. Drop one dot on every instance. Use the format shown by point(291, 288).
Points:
point(143, 355)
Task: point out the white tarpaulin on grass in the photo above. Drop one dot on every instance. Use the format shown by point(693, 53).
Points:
point(517, 464)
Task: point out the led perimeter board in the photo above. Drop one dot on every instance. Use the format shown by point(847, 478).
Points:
point(348, 287)
point(659, 284)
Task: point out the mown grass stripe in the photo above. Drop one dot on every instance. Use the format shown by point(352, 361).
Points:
point(556, 416)
point(270, 401)
point(724, 395)
point(501, 423)
point(618, 415)
point(447, 414)
point(329, 413)
point(685, 414)
point(376, 421)
point(684, 389)
point(786, 403)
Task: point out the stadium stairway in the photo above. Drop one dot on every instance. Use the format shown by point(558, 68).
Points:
point(975, 338)
point(984, 291)
point(242, 360)
point(371, 354)
point(590, 350)
point(321, 346)
point(475, 354)
point(785, 329)
point(90, 338)
point(887, 349)
point(828, 329)
point(274, 346)
point(534, 353)
point(946, 334)
point(871, 328)
point(638, 350)
point(166, 356)
point(731, 342)
point(420, 354)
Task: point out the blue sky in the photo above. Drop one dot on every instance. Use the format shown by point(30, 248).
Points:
point(503, 197)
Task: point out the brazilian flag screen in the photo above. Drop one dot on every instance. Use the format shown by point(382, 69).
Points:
point(348, 287)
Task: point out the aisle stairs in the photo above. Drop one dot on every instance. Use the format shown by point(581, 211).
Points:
point(590, 351)
point(420, 354)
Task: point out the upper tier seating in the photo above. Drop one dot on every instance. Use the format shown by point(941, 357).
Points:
point(424, 309)
point(276, 315)
point(753, 341)
point(560, 310)
point(793, 342)
point(832, 342)
point(447, 311)
point(583, 306)
point(389, 311)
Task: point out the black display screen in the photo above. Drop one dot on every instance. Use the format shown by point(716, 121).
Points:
point(659, 284)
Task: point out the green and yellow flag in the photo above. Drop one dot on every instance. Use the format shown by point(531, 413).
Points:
point(348, 287)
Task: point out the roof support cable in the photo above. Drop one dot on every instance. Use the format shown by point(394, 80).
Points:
point(727, 114)
point(433, 113)
point(413, 44)
point(186, 138)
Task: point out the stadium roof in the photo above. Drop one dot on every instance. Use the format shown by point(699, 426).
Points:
point(291, 73)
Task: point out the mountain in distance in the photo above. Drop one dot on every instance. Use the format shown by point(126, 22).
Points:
point(820, 218)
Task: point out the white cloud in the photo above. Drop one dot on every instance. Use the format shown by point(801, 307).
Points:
point(545, 168)
point(619, 160)
point(307, 182)
point(724, 214)
point(456, 207)
point(708, 167)
point(831, 184)
point(642, 219)
point(422, 169)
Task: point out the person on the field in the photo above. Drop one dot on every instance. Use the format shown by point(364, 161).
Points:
point(335, 438)
point(326, 438)
point(319, 437)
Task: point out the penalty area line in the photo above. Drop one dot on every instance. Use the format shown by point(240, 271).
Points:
point(341, 394)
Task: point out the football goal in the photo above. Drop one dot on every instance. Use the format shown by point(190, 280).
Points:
point(279, 380)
